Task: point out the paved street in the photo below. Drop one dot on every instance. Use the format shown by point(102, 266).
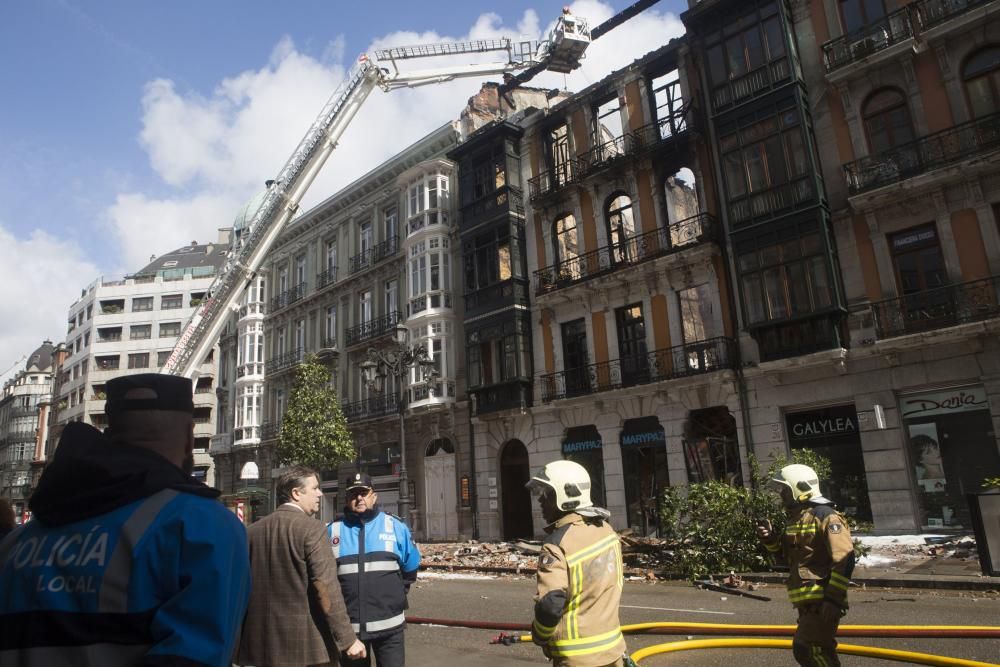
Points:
point(509, 600)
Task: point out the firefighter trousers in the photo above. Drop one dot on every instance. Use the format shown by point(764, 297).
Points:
point(815, 644)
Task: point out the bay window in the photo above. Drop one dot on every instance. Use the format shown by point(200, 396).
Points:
point(430, 275)
point(427, 200)
point(435, 338)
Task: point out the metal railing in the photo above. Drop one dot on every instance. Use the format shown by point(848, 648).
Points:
point(505, 198)
point(669, 363)
point(284, 361)
point(270, 431)
point(328, 277)
point(773, 200)
point(430, 300)
point(370, 408)
point(940, 149)
point(288, 297)
point(511, 291)
point(938, 308)
point(931, 13)
point(894, 28)
point(373, 328)
point(503, 396)
point(374, 255)
point(661, 241)
point(760, 79)
point(555, 178)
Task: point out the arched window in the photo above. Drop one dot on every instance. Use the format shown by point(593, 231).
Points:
point(981, 76)
point(567, 242)
point(887, 120)
point(621, 226)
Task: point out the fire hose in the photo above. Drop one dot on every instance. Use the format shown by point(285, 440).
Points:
point(678, 628)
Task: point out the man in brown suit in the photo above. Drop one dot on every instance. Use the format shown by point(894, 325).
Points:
point(296, 615)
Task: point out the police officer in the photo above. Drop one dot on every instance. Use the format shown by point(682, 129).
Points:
point(376, 563)
point(128, 560)
point(819, 551)
point(579, 579)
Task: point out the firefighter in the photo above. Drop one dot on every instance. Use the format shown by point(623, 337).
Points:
point(579, 580)
point(819, 551)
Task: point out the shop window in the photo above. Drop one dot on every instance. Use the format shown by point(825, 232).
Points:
point(981, 77)
point(583, 445)
point(645, 471)
point(711, 450)
point(887, 121)
point(621, 227)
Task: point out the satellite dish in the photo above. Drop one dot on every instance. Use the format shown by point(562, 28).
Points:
point(250, 471)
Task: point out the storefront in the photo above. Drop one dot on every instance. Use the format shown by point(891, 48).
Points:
point(952, 449)
point(583, 445)
point(833, 433)
point(644, 465)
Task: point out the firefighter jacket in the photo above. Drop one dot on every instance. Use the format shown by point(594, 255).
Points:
point(818, 548)
point(128, 561)
point(376, 563)
point(579, 588)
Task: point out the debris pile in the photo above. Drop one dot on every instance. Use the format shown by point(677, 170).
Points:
point(888, 549)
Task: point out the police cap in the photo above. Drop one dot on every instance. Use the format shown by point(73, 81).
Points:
point(149, 391)
point(360, 481)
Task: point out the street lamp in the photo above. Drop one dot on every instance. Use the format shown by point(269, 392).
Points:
point(395, 362)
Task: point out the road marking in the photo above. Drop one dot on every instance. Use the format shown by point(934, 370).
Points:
point(688, 611)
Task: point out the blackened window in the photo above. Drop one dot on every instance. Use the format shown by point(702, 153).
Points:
point(859, 14)
point(981, 74)
point(632, 344)
point(621, 226)
point(917, 258)
point(557, 154)
point(887, 120)
point(567, 242)
point(747, 55)
point(489, 259)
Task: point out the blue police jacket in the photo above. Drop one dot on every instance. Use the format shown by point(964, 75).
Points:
point(160, 579)
point(376, 563)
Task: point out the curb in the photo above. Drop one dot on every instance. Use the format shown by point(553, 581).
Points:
point(906, 581)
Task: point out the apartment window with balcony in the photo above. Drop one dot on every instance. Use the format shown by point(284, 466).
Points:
point(281, 341)
point(736, 62)
point(391, 296)
point(300, 270)
point(390, 224)
point(567, 244)
point(785, 274)
point(140, 332)
point(365, 307)
point(607, 124)
point(557, 155)
point(631, 327)
point(918, 262)
point(331, 326)
point(300, 337)
point(766, 165)
point(279, 405)
point(621, 226)
point(435, 339)
point(366, 239)
point(138, 360)
point(887, 120)
point(427, 202)
point(169, 301)
point(981, 76)
point(282, 280)
point(142, 303)
point(575, 357)
point(430, 275)
point(856, 15)
point(170, 329)
point(331, 257)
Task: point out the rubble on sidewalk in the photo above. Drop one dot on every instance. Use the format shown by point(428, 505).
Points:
point(888, 549)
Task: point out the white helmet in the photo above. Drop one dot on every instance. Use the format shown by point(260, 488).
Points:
point(570, 482)
point(801, 480)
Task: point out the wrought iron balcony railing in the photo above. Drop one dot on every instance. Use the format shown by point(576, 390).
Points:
point(513, 291)
point(932, 13)
point(772, 201)
point(501, 199)
point(956, 144)
point(269, 431)
point(373, 328)
point(670, 363)
point(662, 241)
point(370, 408)
point(553, 179)
point(328, 277)
point(428, 301)
point(756, 81)
point(938, 308)
point(284, 361)
point(510, 395)
point(894, 28)
point(288, 297)
point(374, 255)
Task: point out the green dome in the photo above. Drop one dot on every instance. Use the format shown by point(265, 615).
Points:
point(245, 215)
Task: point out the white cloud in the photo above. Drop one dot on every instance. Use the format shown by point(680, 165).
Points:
point(42, 276)
point(215, 151)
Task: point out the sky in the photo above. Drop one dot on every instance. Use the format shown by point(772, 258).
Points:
point(129, 128)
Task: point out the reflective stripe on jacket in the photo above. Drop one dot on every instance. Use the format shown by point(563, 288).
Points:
point(818, 548)
point(579, 585)
point(155, 580)
point(376, 563)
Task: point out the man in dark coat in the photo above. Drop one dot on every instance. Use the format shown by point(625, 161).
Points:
point(297, 615)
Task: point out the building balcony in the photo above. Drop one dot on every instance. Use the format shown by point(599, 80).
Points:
point(16, 437)
point(288, 297)
point(249, 370)
point(667, 364)
point(23, 412)
point(246, 436)
point(511, 292)
point(685, 233)
point(937, 308)
point(428, 302)
point(269, 431)
point(371, 408)
point(284, 361)
point(501, 200)
point(510, 395)
point(553, 179)
point(961, 143)
point(754, 83)
point(251, 310)
point(878, 37)
point(372, 329)
point(221, 443)
point(328, 277)
point(369, 258)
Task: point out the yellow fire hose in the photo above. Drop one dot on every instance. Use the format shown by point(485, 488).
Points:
point(849, 649)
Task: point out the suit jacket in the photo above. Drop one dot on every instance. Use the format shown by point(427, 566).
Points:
point(296, 614)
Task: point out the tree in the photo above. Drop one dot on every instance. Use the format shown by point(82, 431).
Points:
point(314, 430)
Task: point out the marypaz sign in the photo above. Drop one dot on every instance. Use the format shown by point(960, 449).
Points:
point(833, 422)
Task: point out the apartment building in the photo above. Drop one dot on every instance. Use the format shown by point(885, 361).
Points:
point(120, 327)
point(856, 143)
point(24, 408)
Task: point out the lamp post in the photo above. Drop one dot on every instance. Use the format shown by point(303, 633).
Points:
point(395, 362)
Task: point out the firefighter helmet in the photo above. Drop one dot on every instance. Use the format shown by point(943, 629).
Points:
point(801, 480)
point(568, 480)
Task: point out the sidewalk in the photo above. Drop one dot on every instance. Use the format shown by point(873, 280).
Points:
point(934, 574)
